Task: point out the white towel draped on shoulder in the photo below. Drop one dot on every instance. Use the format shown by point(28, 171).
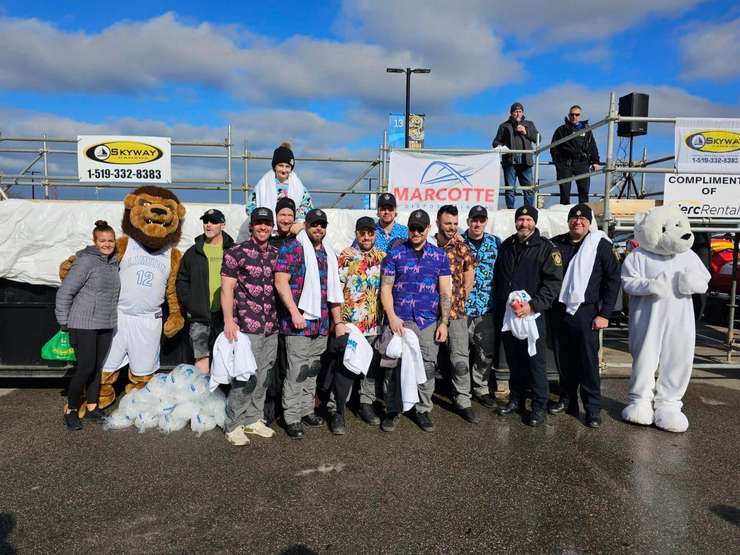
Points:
point(266, 191)
point(579, 272)
point(310, 301)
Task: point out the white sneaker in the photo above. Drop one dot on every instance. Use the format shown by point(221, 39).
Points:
point(259, 429)
point(237, 437)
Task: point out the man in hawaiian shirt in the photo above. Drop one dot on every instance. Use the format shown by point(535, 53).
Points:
point(479, 306)
point(360, 278)
point(462, 265)
point(416, 293)
point(388, 232)
point(248, 304)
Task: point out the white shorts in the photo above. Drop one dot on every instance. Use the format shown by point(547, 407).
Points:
point(136, 341)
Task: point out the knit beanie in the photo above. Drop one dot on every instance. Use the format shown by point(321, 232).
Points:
point(283, 154)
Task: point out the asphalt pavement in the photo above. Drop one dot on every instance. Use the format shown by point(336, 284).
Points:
point(496, 487)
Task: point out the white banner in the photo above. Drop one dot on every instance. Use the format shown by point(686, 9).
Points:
point(122, 159)
point(708, 145)
point(428, 181)
point(704, 195)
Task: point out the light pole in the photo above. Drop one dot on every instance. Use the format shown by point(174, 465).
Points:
point(408, 71)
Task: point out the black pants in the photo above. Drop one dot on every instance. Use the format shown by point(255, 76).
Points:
point(576, 348)
point(570, 170)
point(526, 371)
point(91, 348)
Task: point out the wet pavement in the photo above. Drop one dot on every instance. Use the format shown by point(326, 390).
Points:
point(496, 487)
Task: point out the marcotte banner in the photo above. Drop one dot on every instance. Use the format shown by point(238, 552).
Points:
point(428, 181)
point(704, 195)
point(708, 145)
point(120, 159)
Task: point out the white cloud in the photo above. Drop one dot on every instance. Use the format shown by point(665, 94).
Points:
point(711, 51)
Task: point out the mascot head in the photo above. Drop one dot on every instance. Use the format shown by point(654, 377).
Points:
point(153, 217)
point(663, 230)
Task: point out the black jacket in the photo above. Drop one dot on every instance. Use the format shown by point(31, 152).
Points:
point(580, 149)
point(508, 137)
point(534, 265)
point(603, 286)
point(192, 280)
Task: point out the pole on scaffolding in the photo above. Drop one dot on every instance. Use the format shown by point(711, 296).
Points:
point(245, 185)
point(45, 151)
point(610, 167)
point(537, 174)
point(228, 160)
point(732, 304)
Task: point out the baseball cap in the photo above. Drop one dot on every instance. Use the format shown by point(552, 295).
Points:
point(261, 214)
point(386, 199)
point(316, 215)
point(214, 216)
point(478, 211)
point(419, 218)
point(365, 223)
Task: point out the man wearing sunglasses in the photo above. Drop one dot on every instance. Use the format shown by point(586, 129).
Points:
point(575, 156)
point(388, 232)
point(416, 293)
point(199, 285)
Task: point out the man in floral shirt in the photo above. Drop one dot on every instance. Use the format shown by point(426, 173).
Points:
point(462, 265)
point(416, 293)
point(305, 339)
point(479, 306)
point(360, 276)
point(248, 304)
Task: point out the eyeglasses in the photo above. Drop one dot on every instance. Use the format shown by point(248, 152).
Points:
point(416, 229)
point(574, 115)
point(318, 224)
point(366, 233)
point(212, 222)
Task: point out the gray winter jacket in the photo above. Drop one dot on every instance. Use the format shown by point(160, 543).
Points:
point(87, 299)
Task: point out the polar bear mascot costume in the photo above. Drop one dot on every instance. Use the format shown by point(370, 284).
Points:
point(660, 276)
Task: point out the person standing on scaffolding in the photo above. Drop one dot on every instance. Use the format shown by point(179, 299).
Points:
point(575, 156)
point(517, 133)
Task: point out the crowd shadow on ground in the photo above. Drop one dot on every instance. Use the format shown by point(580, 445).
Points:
point(7, 525)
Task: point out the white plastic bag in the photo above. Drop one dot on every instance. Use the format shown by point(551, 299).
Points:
point(167, 423)
point(118, 420)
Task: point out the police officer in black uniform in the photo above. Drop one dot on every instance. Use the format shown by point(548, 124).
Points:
point(576, 336)
point(527, 261)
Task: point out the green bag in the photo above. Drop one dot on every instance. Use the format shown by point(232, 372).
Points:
point(58, 348)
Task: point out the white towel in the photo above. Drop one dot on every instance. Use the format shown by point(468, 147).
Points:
point(310, 301)
point(406, 347)
point(232, 360)
point(266, 192)
point(359, 353)
point(579, 272)
point(522, 328)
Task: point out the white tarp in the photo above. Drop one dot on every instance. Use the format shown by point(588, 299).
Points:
point(36, 235)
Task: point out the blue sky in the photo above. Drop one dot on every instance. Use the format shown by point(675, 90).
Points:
point(314, 72)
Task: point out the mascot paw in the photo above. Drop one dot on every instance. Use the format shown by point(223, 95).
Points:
point(638, 413)
point(671, 420)
point(661, 285)
point(65, 266)
point(173, 325)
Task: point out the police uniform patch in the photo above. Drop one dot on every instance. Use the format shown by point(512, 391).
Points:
point(556, 258)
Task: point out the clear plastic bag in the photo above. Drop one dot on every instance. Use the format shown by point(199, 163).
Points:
point(202, 423)
point(169, 424)
point(118, 420)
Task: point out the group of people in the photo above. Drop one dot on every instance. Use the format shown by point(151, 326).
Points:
point(299, 303)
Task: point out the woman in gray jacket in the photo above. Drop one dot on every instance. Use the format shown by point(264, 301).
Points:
point(86, 305)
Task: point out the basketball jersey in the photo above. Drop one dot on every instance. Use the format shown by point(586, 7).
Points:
point(143, 280)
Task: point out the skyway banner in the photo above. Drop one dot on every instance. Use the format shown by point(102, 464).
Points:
point(120, 159)
point(708, 145)
point(428, 181)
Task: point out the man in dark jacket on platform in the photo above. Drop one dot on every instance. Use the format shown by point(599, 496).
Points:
point(199, 285)
point(527, 261)
point(576, 156)
point(517, 133)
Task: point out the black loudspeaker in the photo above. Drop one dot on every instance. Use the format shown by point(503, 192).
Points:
point(633, 104)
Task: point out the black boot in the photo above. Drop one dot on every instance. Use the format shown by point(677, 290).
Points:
point(559, 406)
point(514, 405)
point(72, 420)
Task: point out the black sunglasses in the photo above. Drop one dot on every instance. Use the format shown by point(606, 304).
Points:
point(572, 114)
point(210, 221)
point(318, 224)
point(416, 229)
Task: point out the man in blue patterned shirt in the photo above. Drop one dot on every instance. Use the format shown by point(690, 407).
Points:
point(388, 232)
point(479, 306)
point(416, 293)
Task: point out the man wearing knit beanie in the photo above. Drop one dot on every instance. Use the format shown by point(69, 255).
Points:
point(516, 133)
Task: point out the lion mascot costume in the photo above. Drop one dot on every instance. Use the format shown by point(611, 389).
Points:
point(148, 265)
point(660, 276)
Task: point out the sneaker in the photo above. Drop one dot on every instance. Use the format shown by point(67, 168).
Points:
point(295, 430)
point(367, 413)
point(486, 400)
point(72, 420)
point(95, 415)
point(390, 422)
point(337, 424)
point(260, 429)
point(593, 420)
point(424, 420)
point(469, 415)
point(237, 436)
point(313, 420)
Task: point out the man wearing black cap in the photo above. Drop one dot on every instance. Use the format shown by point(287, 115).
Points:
point(585, 303)
point(388, 232)
point(479, 306)
point(517, 133)
point(527, 261)
point(248, 302)
point(416, 293)
point(360, 278)
point(198, 285)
